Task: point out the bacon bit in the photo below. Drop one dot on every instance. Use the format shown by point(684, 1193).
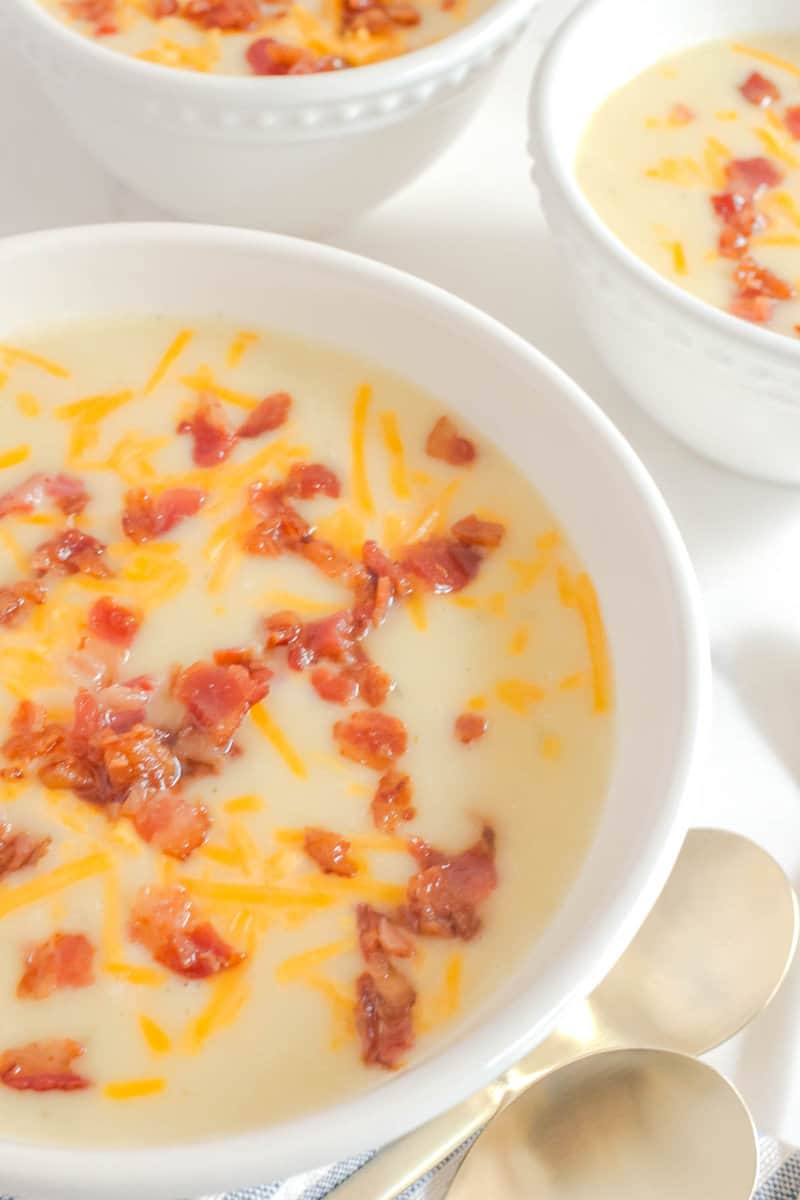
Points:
point(392, 802)
point(213, 440)
point(163, 919)
point(266, 56)
point(18, 850)
point(282, 628)
point(402, 14)
point(752, 280)
point(791, 119)
point(758, 309)
point(445, 442)
point(680, 114)
point(198, 753)
point(326, 558)
point(43, 1066)
point(139, 758)
point(283, 529)
point(163, 8)
point(384, 997)
point(306, 480)
point(444, 895)
point(17, 598)
point(470, 726)
point(71, 552)
point(329, 638)
point(223, 14)
point(219, 698)
point(334, 686)
point(741, 219)
point(113, 622)
point(329, 851)
point(66, 492)
point(379, 936)
point(169, 821)
point(441, 565)
point(472, 531)
point(64, 960)
point(101, 13)
point(759, 90)
point(371, 738)
point(374, 685)
point(31, 737)
point(270, 414)
point(749, 176)
point(145, 516)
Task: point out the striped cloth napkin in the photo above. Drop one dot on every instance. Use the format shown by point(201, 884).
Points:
point(778, 1178)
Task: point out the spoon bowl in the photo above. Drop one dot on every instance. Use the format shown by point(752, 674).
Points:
point(620, 1125)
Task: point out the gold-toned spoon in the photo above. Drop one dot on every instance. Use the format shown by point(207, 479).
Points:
point(709, 958)
point(619, 1125)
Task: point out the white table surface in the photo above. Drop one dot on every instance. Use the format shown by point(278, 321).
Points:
point(472, 225)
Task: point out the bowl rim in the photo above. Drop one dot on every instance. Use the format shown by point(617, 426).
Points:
point(545, 147)
point(490, 1046)
point(472, 40)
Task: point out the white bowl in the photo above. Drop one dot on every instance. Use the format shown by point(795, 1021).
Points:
point(724, 386)
point(290, 154)
point(619, 525)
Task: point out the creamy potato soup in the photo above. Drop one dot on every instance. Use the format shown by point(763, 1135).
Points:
point(306, 726)
point(265, 37)
point(695, 166)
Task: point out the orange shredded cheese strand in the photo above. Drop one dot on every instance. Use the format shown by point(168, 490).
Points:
point(361, 490)
point(10, 458)
point(266, 725)
point(477, 703)
point(726, 114)
point(435, 515)
point(589, 609)
point(154, 1035)
point(93, 408)
point(518, 695)
point(451, 991)
point(550, 746)
point(136, 975)
point(133, 1089)
point(415, 605)
point(269, 895)
point(203, 56)
point(777, 146)
point(570, 682)
point(28, 405)
point(394, 446)
point(220, 854)
point(359, 841)
point(519, 640)
point(170, 355)
point(14, 355)
point(3, 379)
point(765, 56)
point(51, 882)
point(240, 344)
point(299, 965)
point(14, 550)
point(230, 992)
point(292, 600)
point(204, 380)
point(244, 804)
point(678, 255)
point(338, 886)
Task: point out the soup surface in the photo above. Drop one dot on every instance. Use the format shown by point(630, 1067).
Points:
point(695, 166)
point(266, 37)
point(230, 720)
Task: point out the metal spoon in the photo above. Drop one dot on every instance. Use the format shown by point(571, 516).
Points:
point(709, 958)
point(619, 1125)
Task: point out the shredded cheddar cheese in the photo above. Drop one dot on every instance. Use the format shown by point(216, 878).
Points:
point(589, 610)
point(519, 640)
point(678, 256)
point(204, 380)
point(239, 347)
point(764, 56)
point(229, 994)
point(50, 882)
point(415, 606)
point(13, 549)
point(435, 515)
point(170, 356)
point(361, 489)
point(169, 53)
point(28, 405)
point(777, 146)
point(477, 703)
point(570, 682)
point(136, 975)
point(550, 746)
point(270, 895)
point(11, 458)
point(244, 804)
point(518, 695)
point(133, 1089)
point(93, 408)
point(158, 1041)
point(299, 965)
point(394, 446)
point(267, 725)
point(14, 355)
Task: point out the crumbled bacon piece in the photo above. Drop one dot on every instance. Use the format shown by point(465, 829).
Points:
point(282, 530)
point(168, 820)
point(139, 759)
point(113, 622)
point(329, 639)
point(472, 531)
point(393, 801)
point(377, 590)
point(18, 850)
point(329, 851)
point(213, 440)
point(326, 558)
point(470, 726)
point(749, 176)
point(791, 119)
point(371, 738)
point(266, 56)
point(758, 309)
point(271, 413)
point(117, 707)
point(69, 553)
point(441, 564)
point(163, 8)
point(759, 90)
point(374, 685)
point(445, 442)
point(337, 687)
point(681, 114)
point(218, 698)
point(403, 14)
point(384, 1004)
point(223, 14)
point(163, 919)
point(101, 13)
point(63, 960)
point(31, 736)
point(306, 480)
point(754, 280)
point(741, 219)
point(66, 492)
point(146, 516)
point(16, 599)
point(282, 628)
point(379, 936)
point(44, 1066)
point(444, 895)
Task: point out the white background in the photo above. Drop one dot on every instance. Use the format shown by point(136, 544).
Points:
point(472, 224)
